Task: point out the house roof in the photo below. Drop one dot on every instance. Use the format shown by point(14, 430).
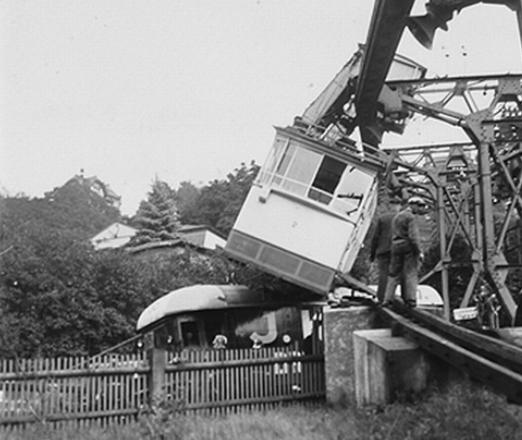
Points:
point(113, 236)
point(115, 230)
point(118, 235)
point(156, 245)
point(194, 228)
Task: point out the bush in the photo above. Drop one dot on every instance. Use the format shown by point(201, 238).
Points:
point(463, 411)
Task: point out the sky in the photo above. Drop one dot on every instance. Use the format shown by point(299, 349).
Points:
point(133, 90)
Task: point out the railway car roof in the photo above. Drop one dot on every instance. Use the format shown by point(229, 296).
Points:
point(204, 297)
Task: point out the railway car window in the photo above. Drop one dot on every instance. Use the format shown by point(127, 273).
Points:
point(189, 334)
point(301, 171)
point(314, 175)
point(283, 165)
point(161, 337)
point(213, 326)
point(326, 180)
point(354, 184)
point(272, 160)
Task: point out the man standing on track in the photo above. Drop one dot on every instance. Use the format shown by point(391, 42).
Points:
point(406, 253)
point(380, 247)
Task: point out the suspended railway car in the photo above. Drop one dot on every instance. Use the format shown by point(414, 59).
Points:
point(307, 212)
point(192, 317)
point(312, 203)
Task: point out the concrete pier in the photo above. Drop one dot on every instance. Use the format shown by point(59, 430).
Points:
point(386, 366)
point(339, 326)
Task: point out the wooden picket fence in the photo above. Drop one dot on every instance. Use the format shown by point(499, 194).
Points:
point(57, 391)
point(115, 388)
point(221, 381)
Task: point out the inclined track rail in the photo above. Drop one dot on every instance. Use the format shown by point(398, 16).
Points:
point(489, 360)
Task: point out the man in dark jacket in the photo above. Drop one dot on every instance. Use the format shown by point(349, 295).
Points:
point(380, 247)
point(406, 253)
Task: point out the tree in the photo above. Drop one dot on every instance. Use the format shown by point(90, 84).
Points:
point(220, 201)
point(60, 297)
point(239, 183)
point(157, 218)
point(48, 304)
point(72, 207)
point(187, 196)
point(75, 206)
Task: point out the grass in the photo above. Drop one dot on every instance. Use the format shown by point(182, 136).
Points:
point(462, 412)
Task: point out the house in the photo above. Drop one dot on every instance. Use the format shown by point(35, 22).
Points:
point(202, 236)
point(114, 236)
point(93, 184)
point(118, 235)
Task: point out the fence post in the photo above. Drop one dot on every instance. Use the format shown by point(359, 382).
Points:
point(158, 361)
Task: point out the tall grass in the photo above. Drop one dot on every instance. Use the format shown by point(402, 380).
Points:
point(462, 412)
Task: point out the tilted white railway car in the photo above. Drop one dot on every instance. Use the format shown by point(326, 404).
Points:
point(312, 203)
point(307, 212)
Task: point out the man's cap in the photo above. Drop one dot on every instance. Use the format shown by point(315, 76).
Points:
point(416, 200)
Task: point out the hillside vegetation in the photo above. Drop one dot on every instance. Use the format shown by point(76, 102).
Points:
point(60, 297)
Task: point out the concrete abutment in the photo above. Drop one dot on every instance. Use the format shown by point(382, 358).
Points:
point(366, 365)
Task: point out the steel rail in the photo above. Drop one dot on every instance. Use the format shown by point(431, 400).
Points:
point(497, 350)
point(484, 358)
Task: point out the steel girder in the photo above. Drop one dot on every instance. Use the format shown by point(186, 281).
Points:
point(478, 187)
point(441, 174)
point(385, 31)
point(389, 18)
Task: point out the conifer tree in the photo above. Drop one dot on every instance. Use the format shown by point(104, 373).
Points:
point(157, 218)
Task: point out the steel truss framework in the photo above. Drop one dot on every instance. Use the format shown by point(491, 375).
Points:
point(475, 188)
point(494, 172)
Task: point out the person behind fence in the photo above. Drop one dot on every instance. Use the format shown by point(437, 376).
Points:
point(406, 253)
point(380, 246)
point(257, 344)
point(220, 342)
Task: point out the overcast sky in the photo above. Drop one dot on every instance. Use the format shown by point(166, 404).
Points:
point(187, 90)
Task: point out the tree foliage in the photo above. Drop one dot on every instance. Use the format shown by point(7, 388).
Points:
point(60, 297)
point(157, 218)
point(218, 203)
point(74, 207)
point(47, 300)
point(67, 299)
point(187, 196)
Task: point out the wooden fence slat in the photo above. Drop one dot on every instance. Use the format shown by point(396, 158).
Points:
point(113, 384)
point(192, 382)
point(126, 398)
point(97, 386)
point(133, 396)
point(8, 398)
